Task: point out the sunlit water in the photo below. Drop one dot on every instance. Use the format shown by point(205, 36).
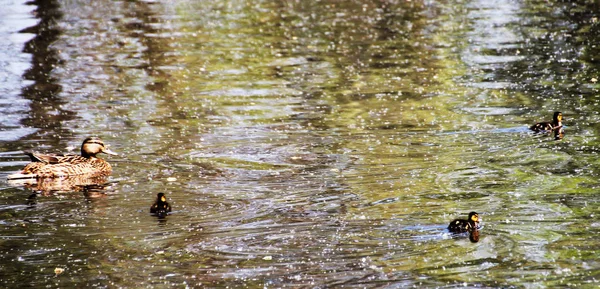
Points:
point(302, 143)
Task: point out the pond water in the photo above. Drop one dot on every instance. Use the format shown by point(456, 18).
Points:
point(303, 143)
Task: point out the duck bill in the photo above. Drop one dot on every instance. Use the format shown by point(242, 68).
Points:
point(109, 152)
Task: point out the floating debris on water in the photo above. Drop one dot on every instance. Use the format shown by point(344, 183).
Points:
point(58, 270)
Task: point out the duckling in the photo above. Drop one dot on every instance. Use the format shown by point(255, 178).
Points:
point(548, 126)
point(58, 165)
point(161, 207)
point(462, 225)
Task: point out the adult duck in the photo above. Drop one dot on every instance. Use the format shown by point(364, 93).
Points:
point(58, 165)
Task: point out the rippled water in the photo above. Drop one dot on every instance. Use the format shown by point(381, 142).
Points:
point(302, 143)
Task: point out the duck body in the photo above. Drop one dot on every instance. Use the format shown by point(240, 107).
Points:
point(53, 166)
point(57, 165)
point(160, 207)
point(556, 123)
point(463, 226)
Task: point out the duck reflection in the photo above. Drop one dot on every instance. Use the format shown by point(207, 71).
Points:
point(92, 187)
point(32, 201)
point(474, 236)
point(559, 133)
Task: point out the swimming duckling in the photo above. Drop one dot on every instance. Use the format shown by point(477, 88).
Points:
point(462, 225)
point(548, 126)
point(58, 165)
point(161, 207)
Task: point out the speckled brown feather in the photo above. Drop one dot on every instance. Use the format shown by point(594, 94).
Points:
point(55, 165)
point(69, 165)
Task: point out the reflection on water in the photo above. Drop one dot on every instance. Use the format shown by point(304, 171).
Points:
point(13, 63)
point(46, 107)
point(91, 185)
point(559, 133)
point(302, 143)
point(474, 236)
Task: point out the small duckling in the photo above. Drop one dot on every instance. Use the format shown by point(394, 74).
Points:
point(161, 207)
point(462, 225)
point(548, 126)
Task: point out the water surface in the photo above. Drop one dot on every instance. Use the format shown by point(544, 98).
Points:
point(303, 143)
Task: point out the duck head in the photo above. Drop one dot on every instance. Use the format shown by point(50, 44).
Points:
point(160, 197)
point(557, 118)
point(474, 218)
point(92, 146)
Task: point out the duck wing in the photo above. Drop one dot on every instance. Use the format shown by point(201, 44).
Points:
point(44, 158)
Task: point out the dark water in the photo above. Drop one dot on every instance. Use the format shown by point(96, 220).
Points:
point(303, 143)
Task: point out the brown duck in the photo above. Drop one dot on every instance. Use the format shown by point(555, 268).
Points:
point(555, 124)
point(57, 165)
